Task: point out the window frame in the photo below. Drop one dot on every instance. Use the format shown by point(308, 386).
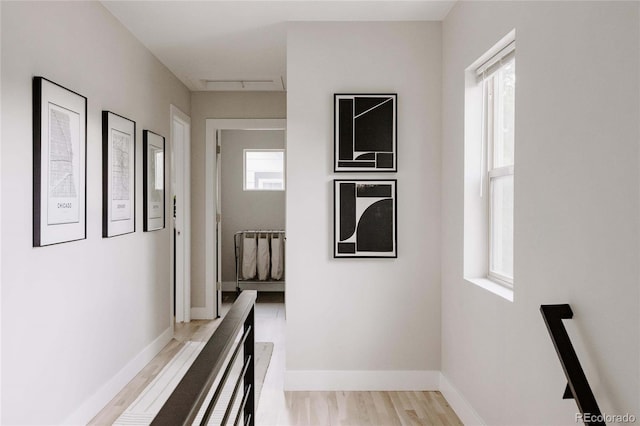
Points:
point(244, 169)
point(491, 122)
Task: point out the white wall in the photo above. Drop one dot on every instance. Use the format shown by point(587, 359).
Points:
point(246, 209)
point(375, 320)
point(217, 105)
point(75, 316)
point(0, 215)
point(576, 210)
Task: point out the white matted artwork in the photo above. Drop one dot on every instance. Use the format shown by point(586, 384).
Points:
point(59, 164)
point(153, 180)
point(365, 218)
point(365, 132)
point(118, 175)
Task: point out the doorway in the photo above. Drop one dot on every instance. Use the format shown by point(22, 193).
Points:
point(180, 222)
point(252, 191)
point(213, 227)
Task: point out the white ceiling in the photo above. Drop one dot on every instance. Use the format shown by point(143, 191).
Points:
point(201, 41)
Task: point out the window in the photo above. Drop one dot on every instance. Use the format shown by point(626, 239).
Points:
point(489, 169)
point(263, 170)
point(499, 121)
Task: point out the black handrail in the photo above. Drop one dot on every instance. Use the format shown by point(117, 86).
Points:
point(578, 387)
point(185, 402)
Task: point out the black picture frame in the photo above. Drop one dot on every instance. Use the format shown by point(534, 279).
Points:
point(369, 144)
point(118, 175)
point(59, 164)
point(365, 218)
point(153, 198)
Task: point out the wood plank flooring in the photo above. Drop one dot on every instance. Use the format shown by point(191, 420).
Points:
point(195, 331)
point(361, 408)
point(279, 408)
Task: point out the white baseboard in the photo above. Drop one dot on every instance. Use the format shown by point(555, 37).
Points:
point(421, 380)
point(459, 403)
point(260, 286)
point(96, 402)
point(321, 380)
point(201, 314)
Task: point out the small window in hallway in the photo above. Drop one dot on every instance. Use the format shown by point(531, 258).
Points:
point(500, 122)
point(489, 166)
point(263, 170)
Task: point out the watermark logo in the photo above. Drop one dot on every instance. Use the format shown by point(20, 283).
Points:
point(605, 418)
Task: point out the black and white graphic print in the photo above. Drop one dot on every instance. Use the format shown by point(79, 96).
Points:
point(365, 218)
point(365, 133)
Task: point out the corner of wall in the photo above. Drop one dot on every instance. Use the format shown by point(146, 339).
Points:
point(467, 414)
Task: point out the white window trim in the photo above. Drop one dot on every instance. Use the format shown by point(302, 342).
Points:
point(501, 171)
point(500, 59)
point(263, 181)
point(478, 173)
point(244, 169)
point(496, 61)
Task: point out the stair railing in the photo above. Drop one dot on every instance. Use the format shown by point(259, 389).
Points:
point(211, 366)
point(577, 387)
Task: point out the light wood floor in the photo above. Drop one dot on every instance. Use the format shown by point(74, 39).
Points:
point(366, 408)
point(197, 330)
point(279, 408)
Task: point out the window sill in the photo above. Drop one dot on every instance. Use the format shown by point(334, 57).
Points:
point(493, 287)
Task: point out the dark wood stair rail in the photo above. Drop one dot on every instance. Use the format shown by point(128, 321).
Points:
point(577, 387)
point(186, 400)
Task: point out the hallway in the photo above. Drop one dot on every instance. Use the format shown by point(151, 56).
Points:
point(279, 408)
point(439, 316)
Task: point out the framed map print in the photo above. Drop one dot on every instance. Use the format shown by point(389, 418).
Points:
point(118, 175)
point(59, 164)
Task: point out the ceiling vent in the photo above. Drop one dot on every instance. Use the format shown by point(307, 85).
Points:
point(248, 85)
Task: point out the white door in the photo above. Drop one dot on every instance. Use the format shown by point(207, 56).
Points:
point(181, 224)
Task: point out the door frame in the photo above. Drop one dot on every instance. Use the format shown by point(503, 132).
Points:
point(183, 245)
point(213, 272)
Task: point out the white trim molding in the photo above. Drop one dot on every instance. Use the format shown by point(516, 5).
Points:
point(202, 313)
point(344, 380)
point(96, 402)
point(183, 295)
point(213, 126)
point(395, 380)
point(259, 286)
point(467, 414)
